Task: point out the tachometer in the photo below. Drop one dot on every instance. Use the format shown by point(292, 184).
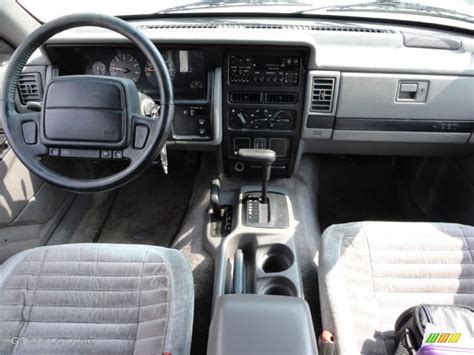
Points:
point(124, 65)
point(150, 72)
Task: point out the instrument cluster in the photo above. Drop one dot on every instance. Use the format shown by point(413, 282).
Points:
point(186, 67)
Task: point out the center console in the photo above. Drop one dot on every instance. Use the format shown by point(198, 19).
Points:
point(263, 96)
point(258, 301)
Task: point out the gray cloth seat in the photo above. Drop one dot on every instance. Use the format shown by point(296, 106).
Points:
point(96, 298)
point(370, 272)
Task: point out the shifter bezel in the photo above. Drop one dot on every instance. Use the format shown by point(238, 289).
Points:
point(276, 209)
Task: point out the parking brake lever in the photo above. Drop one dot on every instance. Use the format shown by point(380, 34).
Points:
point(263, 157)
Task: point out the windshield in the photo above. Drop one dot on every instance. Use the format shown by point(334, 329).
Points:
point(462, 10)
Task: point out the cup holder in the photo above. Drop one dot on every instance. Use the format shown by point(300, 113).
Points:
point(279, 287)
point(278, 259)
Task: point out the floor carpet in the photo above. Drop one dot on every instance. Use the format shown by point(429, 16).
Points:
point(353, 189)
point(148, 210)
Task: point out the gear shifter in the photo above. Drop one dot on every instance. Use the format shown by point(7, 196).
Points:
point(263, 157)
point(215, 198)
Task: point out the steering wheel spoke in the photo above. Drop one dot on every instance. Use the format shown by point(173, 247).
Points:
point(141, 126)
point(26, 127)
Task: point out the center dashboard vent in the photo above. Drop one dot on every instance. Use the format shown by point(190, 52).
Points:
point(281, 98)
point(29, 88)
point(263, 26)
point(323, 94)
point(245, 97)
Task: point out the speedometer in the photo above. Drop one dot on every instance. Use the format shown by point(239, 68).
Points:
point(150, 71)
point(124, 65)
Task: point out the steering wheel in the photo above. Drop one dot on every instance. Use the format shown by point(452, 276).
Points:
point(87, 116)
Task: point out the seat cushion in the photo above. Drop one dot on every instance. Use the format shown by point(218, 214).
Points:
point(96, 298)
point(370, 272)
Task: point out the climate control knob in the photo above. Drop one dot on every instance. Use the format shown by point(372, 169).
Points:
point(239, 119)
point(283, 120)
point(260, 118)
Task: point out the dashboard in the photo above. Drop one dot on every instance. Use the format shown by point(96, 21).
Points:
point(292, 85)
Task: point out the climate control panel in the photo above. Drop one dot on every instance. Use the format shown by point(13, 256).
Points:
point(261, 118)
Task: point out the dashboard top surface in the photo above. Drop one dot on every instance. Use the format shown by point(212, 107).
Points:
point(334, 45)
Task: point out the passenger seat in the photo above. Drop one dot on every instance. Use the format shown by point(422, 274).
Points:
point(370, 272)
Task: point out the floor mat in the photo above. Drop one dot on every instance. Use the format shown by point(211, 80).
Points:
point(355, 189)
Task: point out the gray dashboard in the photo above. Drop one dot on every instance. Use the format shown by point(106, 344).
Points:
point(392, 89)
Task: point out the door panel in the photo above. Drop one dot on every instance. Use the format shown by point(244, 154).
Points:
point(30, 210)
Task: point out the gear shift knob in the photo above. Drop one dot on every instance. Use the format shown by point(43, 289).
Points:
point(263, 157)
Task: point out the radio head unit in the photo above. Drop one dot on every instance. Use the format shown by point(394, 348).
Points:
point(281, 70)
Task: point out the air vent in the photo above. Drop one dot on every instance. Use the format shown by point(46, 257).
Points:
point(323, 94)
point(263, 26)
point(281, 98)
point(29, 87)
point(246, 97)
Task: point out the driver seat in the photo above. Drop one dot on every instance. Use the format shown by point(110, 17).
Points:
point(96, 298)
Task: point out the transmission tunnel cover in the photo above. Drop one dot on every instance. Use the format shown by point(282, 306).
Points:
point(84, 109)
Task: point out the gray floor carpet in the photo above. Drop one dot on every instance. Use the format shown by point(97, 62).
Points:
point(149, 210)
point(358, 188)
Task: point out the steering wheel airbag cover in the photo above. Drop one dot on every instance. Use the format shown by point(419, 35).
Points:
point(81, 109)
